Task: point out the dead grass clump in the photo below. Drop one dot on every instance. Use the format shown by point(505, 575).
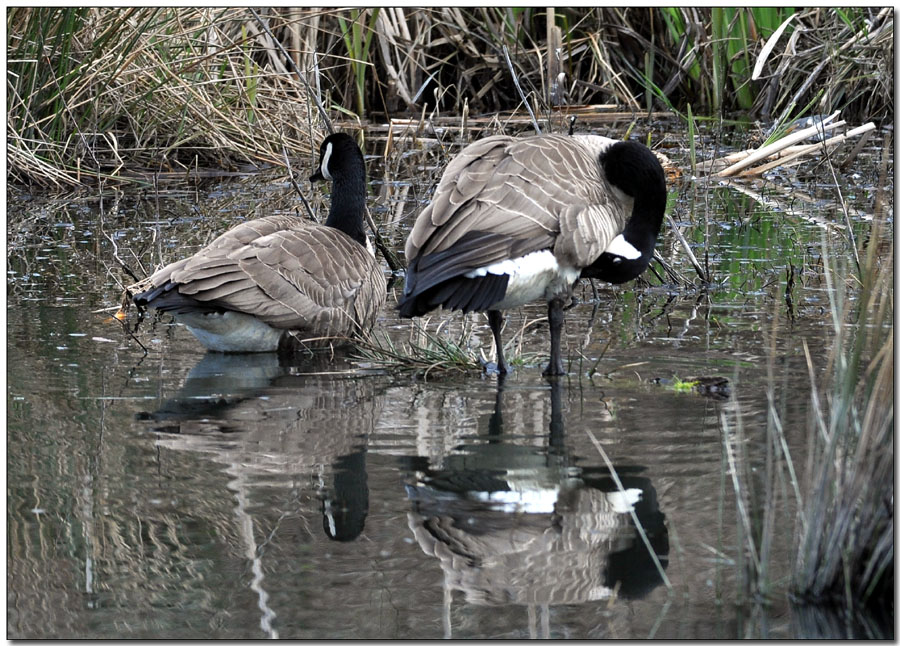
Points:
point(101, 93)
point(113, 93)
point(425, 353)
point(846, 549)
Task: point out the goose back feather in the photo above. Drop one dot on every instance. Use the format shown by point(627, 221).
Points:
point(542, 192)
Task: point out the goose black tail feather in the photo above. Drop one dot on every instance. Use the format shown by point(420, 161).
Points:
point(461, 293)
point(439, 278)
point(166, 298)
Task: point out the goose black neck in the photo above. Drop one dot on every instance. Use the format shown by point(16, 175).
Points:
point(646, 219)
point(348, 205)
point(635, 170)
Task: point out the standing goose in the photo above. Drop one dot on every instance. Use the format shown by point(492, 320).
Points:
point(518, 219)
point(269, 283)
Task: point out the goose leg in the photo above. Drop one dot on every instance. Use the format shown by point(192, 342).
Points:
point(555, 315)
point(495, 319)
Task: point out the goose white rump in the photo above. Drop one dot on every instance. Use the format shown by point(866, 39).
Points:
point(531, 277)
point(232, 332)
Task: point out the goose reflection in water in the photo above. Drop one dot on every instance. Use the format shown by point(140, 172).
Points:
point(272, 427)
point(523, 525)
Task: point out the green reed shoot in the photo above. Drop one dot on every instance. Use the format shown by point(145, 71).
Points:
point(358, 40)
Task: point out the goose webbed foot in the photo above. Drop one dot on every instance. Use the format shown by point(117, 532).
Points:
point(492, 368)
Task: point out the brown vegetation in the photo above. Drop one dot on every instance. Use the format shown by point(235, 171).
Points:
point(113, 93)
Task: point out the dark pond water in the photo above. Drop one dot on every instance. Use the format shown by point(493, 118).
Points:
point(177, 494)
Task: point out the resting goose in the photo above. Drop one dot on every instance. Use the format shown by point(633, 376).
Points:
point(518, 219)
point(274, 281)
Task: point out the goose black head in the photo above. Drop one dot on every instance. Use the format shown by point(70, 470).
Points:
point(339, 159)
point(635, 170)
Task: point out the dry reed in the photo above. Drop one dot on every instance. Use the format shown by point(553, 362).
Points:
point(102, 94)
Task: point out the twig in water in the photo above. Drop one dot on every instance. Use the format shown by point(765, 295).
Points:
point(690, 254)
point(670, 272)
point(637, 523)
point(392, 260)
point(287, 163)
point(837, 187)
point(112, 240)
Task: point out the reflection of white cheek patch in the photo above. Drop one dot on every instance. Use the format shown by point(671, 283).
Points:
point(325, 159)
point(623, 502)
point(621, 247)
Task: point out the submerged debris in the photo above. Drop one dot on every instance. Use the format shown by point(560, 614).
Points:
point(717, 388)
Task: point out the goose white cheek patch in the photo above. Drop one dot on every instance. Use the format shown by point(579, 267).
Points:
point(621, 247)
point(326, 157)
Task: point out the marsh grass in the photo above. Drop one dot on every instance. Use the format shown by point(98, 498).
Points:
point(116, 94)
point(445, 344)
point(845, 553)
point(842, 490)
point(99, 94)
point(425, 352)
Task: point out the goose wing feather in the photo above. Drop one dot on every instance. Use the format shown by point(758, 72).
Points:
point(289, 273)
point(545, 191)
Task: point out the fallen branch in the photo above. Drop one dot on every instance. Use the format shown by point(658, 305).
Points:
point(792, 153)
point(778, 146)
point(785, 151)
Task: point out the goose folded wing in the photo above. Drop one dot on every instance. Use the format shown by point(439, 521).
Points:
point(246, 232)
point(585, 232)
point(305, 278)
point(493, 194)
point(531, 190)
point(317, 279)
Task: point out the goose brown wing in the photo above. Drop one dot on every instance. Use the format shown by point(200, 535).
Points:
point(242, 234)
point(542, 192)
point(287, 272)
point(315, 278)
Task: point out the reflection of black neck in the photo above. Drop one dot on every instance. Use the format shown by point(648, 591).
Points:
point(344, 511)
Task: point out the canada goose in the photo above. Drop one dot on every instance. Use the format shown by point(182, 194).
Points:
point(268, 283)
point(517, 219)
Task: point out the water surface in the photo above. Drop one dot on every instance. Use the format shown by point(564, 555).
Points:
point(155, 490)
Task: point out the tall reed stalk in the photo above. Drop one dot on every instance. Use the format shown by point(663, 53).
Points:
point(844, 494)
point(846, 549)
point(358, 40)
point(102, 92)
